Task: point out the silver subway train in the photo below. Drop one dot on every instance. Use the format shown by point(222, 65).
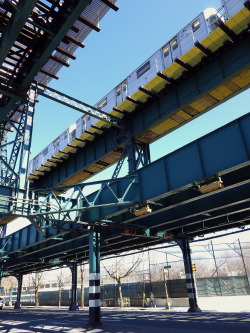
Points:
point(199, 28)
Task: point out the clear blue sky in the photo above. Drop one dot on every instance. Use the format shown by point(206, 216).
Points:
point(127, 38)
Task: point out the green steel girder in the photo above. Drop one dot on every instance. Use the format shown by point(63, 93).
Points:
point(23, 10)
point(223, 67)
point(168, 186)
point(48, 204)
point(44, 207)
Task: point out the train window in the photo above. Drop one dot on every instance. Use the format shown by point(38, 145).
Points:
point(56, 141)
point(103, 103)
point(45, 151)
point(143, 69)
point(174, 44)
point(165, 51)
point(195, 25)
point(65, 134)
point(124, 86)
point(118, 90)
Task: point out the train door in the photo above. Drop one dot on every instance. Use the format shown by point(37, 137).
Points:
point(56, 144)
point(167, 57)
point(121, 92)
point(175, 48)
point(187, 37)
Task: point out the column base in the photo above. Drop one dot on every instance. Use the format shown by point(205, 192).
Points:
point(94, 317)
point(18, 305)
point(93, 325)
point(73, 306)
point(195, 309)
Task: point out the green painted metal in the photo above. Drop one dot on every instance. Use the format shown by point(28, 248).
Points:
point(24, 9)
point(47, 203)
point(94, 278)
point(75, 104)
point(26, 142)
point(16, 164)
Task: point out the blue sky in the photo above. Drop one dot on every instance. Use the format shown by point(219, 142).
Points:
point(127, 38)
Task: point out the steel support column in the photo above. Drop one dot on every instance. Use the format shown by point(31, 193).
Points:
point(18, 304)
point(192, 296)
point(73, 305)
point(25, 149)
point(94, 279)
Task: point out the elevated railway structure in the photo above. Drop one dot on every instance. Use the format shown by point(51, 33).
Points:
point(200, 188)
point(211, 72)
point(37, 38)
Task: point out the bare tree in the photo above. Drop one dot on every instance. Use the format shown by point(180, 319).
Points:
point(36, 279)
point(120, 272)
point(11, 283)
point(61, 282)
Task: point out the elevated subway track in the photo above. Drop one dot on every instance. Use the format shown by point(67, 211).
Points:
point(202, 79)
point(181, 206)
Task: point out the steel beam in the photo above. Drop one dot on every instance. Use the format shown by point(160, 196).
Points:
point(18, 303)
point(77, 105)
point(19, 18)
point(178, 208)
point(73, 305)
point(62, 30)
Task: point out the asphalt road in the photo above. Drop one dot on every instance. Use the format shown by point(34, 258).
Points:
point(30, 320)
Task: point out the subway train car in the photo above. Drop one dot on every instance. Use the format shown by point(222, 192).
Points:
point(54, 148)
point(200, 27)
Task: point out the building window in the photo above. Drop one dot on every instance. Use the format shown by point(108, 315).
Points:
point(143, 69)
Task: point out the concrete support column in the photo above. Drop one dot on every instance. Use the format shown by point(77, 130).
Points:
point(74, 305)
point(18, 304)
point(192, 296)
point(94, 279)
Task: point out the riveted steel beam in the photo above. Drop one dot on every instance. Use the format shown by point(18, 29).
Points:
point(19, 17)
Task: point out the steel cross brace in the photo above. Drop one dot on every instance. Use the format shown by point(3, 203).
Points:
point(75, 104)
point(138, 153)
point(20, 146)
point(46, 203)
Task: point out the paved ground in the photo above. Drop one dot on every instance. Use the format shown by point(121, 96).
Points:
point(49, 320)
